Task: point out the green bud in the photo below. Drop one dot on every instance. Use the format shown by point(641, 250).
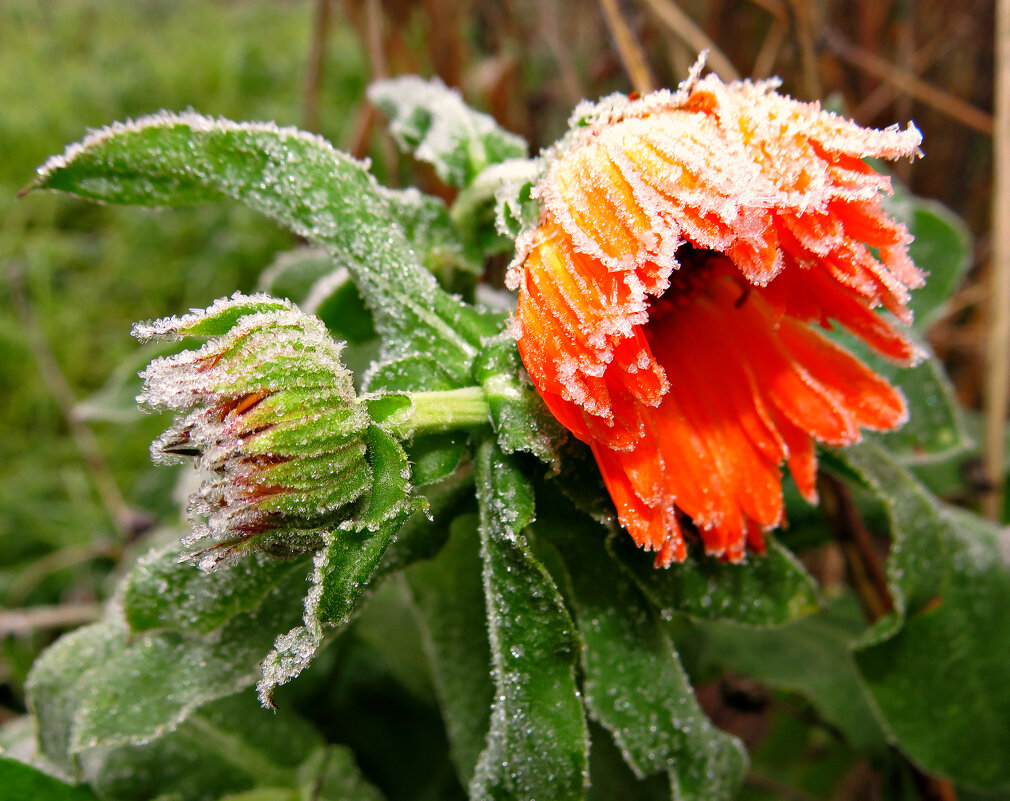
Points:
point(268, 410)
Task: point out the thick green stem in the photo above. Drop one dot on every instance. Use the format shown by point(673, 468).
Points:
point(433, 412)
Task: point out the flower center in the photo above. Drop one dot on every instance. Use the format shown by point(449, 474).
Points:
point(697, 270)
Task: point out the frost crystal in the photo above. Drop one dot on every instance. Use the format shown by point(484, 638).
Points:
point(267, 408)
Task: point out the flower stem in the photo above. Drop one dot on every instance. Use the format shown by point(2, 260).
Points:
point(433, 412)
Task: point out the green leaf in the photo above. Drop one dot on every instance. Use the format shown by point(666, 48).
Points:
point(935, 429)
point(58, 685)
point(768, 590)
point(22, 782)
point(492, 211)
point(226, 747)
point(811, 657)
point(432, 121)
point(160, 678)
point(634, 684)
point(100, 687)
point(162, 592)
point(297, 179)
point(537, 746)
point(941, 246)
point(522, 422)
point(449, 598)
point(936, 667)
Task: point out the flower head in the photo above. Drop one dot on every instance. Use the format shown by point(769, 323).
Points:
point(689, 246)
point(268, 411)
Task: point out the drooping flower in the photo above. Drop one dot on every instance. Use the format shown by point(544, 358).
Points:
point(689, 246)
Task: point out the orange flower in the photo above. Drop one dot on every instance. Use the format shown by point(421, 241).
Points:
point(689, 244)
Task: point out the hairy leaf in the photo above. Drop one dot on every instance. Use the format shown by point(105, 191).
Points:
point(537, 746)
point(431, 121)
point(22, 782)
point(634, 684)
point(345, 566)
point(811, 657)
point(162, 592)
point(941, 246)
point(295, 178)
point(768, 590)
point(936, 667)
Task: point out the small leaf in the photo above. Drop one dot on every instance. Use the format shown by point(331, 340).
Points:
point(297, 179)
point(537, 746)
point(769, 590)
point(161, 592)
point(492, 211)
point(449, 598)
point(432, 121)
point(634, 684)
point(936, 667)
point(21, 782)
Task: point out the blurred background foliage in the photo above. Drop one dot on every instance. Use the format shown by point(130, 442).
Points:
point(77, 275)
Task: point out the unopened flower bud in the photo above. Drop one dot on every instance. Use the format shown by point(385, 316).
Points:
point(268, 409)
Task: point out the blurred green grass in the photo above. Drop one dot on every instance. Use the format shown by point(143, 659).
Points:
point(91, 271)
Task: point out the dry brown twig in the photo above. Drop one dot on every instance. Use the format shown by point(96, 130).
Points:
point(679, 23)
point(997, 377)
point(944, 102)
point(628, 48)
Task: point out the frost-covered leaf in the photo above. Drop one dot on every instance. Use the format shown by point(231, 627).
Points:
point(225, 747)
point(161, 592)
point(812, 657)
point(295, 178)
point(449, 599)
point(521, 420)
point(768, 590)
point(941, 246)
point(344, 567)
point(935, 429)
point(100, 686)
point(537, 746)
point(936, 667)
point(633, 682)
point(58, 685)
point(21, 782)
point(431, 121)
point(159, 678)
